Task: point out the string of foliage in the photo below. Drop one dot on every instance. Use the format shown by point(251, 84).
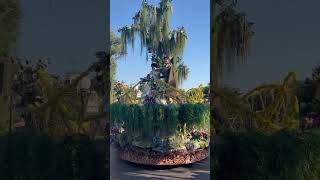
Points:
point(232, 34)
point(151, 23)
point(152, 26)
point(149, 121)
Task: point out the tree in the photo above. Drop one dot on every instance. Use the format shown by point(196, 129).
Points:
point(116, 53)
point(196, 95)
point(275, 106)
point(26, 89)
point(267, 107)
point(9, 19)
point(163, 46)
point(230, 36)
point(130, 98)
point(54, 107)
point(35, 87)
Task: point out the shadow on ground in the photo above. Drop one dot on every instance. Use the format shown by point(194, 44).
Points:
point(122, 170)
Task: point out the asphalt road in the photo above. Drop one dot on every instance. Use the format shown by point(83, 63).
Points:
point(122, 170)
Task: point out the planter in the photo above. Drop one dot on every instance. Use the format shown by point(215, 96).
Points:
point(162, 135)
point(176, 157)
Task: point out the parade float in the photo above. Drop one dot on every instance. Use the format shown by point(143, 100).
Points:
point(161, 126)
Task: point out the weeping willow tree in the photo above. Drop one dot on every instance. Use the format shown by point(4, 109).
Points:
point(266, 107)
point(233, 34)
point(152, 26)
point(9, 19)
point(230, 36)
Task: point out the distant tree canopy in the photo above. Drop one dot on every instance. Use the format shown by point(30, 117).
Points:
point(231, 33)
point(9, 19)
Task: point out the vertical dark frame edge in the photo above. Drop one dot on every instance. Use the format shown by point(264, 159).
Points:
point(212, 8)
point(107, 95)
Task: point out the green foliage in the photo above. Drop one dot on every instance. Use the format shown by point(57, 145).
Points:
point(232, 34)
point(62, 109)
point(29, 155)
point(9, 19)
point(152, 25)
point(267, 107)
point(308, 93)
point(125, 94)
point(116, 53)
point(283, 109)
point(196, 95)
point(143, 123)
point(254, 155)
point(56, 115)
point(116, 46)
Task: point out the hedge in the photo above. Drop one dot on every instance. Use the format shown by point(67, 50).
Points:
point(255, 155)
point(147, 121)
point(35, 156)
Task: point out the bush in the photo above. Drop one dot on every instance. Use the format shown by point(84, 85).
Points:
point(254, 155)
point(144, 125)
point(146, 120)
point(34, 156)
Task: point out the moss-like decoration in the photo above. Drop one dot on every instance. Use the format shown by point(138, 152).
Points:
point(167, 123)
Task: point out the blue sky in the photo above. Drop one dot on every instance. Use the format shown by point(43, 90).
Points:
point(68, 32)
point(193, 15)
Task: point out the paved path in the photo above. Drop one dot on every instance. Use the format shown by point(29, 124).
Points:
point(121, 170)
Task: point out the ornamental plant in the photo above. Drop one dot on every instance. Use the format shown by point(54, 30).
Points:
point(169, 126)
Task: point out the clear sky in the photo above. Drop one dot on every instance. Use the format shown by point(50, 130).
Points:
point(193, 15)
point(69, 32)
point(286, 39)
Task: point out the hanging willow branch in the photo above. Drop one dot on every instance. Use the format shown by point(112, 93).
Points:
point(151, 25)
point(232, 35)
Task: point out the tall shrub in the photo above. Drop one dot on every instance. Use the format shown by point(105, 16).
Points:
point(35, 156)
point(149, 121)
point(277, 156)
